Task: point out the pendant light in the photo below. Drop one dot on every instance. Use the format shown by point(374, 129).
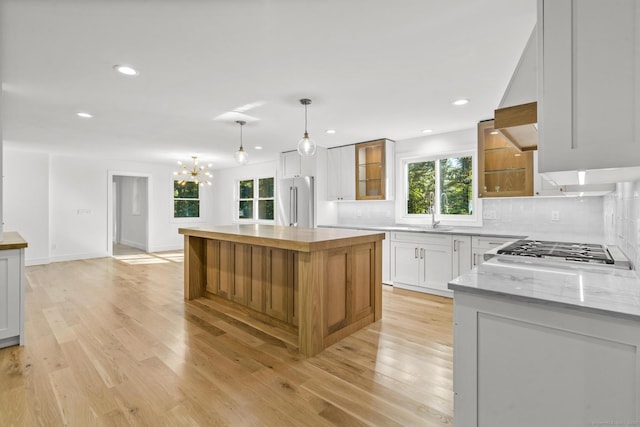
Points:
point(306, 146)
point(241, 156)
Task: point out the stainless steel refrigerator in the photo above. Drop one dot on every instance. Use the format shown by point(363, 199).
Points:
point(295, 202)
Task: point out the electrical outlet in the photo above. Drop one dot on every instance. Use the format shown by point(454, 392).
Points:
point(359, 213)
point(555, 215)
point(490, 214)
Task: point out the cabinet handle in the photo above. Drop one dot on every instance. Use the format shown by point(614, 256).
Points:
point(474, 259)
point(421, 253)
point(455, 246)
point(416, 253)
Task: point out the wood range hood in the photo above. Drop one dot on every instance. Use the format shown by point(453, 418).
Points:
point(519, 124)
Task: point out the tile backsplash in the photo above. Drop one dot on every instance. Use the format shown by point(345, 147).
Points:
point(367, 212)
point(622, 219)
point(554, 218)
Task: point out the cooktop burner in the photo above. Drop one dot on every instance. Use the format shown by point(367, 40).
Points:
point(581, 252)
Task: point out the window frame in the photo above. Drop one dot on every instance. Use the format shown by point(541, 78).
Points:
point(402, 215)
point(174, 198)
point(255, 201)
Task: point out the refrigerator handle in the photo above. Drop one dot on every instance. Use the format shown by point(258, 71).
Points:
point(295, 207)
point(290, 206)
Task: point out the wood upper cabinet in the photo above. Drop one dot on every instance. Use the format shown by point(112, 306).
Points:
point(503, 170)
point(588, 84)
point(374, 170)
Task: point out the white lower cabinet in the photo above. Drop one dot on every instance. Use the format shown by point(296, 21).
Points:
point(422, 262)
point(480, 245)
point(11, 291)
point(461, 261)
point(519, 363)
point(426, 262)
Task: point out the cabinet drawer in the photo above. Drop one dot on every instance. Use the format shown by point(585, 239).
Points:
point(489, 242)
point(423, 238)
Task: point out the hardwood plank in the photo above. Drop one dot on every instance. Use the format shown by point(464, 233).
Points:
point(113, 343)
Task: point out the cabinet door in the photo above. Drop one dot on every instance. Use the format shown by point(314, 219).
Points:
point(386, 258)
point(405, 263)
point(348, 172)
point(370, 170)
point(334, 162)
point(590, 84)
point(461, 255)
point(436, 264)
point(10, 302)
point(503, 170)
point(290, 164)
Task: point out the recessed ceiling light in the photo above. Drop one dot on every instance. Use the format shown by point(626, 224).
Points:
point(258, 147)
point(427, 130)
point(126, 70)
point(84, 115)
point(331, 131)
point(493, 132)
point(461, 101)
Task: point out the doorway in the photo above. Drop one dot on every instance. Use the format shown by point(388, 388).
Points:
point(128, 231)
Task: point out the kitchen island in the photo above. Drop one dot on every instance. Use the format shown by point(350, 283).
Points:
point(546, 345)
point(319, 284)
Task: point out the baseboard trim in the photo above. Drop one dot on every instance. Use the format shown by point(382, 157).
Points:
point(77, 257)
point(133, 244)
point(36, 261)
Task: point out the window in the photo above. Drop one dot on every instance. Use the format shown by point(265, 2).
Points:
point(255, 199)
point(444, 183)
point(186, 200)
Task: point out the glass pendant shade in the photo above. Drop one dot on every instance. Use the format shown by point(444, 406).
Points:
point(242, 157)
point(306, 146)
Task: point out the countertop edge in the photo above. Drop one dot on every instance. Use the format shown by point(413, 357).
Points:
point(284, 243)
point(394, 229)
point(541, 301)
point(12, 240)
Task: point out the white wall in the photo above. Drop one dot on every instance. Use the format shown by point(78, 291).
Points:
point(74, 225)
point(622, 219)
point(224, 187)
point(26, 201)
point(132, 211)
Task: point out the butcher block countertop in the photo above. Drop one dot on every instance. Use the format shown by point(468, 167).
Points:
point(292, 238)
point(12, 240)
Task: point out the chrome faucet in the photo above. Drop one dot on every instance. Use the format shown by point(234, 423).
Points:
point(432, 210)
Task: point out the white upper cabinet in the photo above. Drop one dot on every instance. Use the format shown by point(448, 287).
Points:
point(589, 84)
point(290, 164)
point(341, 173)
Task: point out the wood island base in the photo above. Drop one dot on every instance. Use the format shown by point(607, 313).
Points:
point(320, 285)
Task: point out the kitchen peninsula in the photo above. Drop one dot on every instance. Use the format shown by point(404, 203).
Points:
point(319, 284)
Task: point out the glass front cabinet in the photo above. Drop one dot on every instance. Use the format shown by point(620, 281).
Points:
point(503, 170)
point(373, 177)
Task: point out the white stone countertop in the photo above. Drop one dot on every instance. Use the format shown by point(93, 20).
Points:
point(444, 229)
point(607, 291)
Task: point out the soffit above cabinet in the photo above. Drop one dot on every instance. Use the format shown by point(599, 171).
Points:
point(517, 116)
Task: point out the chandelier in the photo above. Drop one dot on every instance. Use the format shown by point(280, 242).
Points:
point(197, 174)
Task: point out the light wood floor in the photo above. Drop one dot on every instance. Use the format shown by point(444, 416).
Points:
point(112, 342)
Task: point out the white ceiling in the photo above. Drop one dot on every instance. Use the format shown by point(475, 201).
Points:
point(373, 69)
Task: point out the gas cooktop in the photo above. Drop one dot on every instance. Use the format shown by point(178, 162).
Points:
point(564, 251)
